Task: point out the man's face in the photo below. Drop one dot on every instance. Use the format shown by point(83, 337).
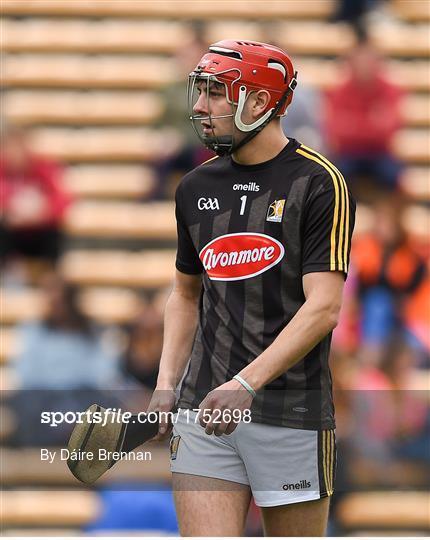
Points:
point(213, 103)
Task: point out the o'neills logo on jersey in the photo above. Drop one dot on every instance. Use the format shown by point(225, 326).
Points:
point(251, 186)
point(240, 255)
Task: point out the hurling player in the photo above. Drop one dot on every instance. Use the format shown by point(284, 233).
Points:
point(264, 236)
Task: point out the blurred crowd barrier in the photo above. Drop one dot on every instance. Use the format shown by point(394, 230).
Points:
point(95, 139)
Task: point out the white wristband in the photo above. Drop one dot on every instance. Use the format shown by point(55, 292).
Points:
point(245, 385)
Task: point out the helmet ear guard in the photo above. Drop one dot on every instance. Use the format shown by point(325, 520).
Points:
point(238, 116)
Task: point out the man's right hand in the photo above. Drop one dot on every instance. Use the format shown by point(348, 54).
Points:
point(163, 400)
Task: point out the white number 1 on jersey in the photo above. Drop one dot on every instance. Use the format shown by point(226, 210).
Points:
point(242, 206)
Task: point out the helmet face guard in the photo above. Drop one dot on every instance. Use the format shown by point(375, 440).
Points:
point(220, 145)
point(248, 67)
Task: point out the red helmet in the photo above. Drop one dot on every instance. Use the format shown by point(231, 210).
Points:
point(244, 67)
point(261, 67)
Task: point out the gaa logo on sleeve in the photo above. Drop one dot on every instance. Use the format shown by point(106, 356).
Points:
point(240, 255)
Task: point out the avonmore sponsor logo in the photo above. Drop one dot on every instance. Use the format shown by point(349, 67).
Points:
point(240, 255)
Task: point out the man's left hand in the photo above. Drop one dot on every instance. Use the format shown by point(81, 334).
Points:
point(221, 410)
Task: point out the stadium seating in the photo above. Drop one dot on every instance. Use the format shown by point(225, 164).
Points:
point(134, 144)
point(415, 182)
point(109, 182)
point(367, 473)
point(149, 269)
point(57, 508)
point(413, 146)
point(23, 467)
point(97, 36)
point(53, 532)
point(323, 73)
point(79, 71)
point(396, 40)
point(416, 221)
point(416, 110)
point(103, 71)
point(82, 108)
point(168, 8)
point(116, 144)
point(411, 10)
point(122, 220)
point(8, 343)
point(388, 510)
point(106, 305)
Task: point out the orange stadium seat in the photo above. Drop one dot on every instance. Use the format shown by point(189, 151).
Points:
point(392, 39)
point(390, 510)
point(53, 532)
point(368, 473)
point(44, 508)
point(415, 182)
point(401, 39)
point(104, 71)
point(412, 146)
point(122, 220)
point(8, 343)
point(411, 10)
point(104, 144)
point(224, 29)
point(412, 76)
point(106, 305)
point(23, 467)
point(304, 37)
point(82, 108)
point(151, 268)
point(322, 73)
point(168, 8)
point(109, 181)
point(78, 71)
point(416, 110)
point(417, 221)
point(80, 35)
point(116, 144)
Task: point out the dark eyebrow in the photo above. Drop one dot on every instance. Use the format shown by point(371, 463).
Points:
point(213, 85)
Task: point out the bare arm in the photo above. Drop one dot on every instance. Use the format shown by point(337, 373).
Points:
point(180, 324)
point(315, 319)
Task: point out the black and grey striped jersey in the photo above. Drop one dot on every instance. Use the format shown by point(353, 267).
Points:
point(253, 231)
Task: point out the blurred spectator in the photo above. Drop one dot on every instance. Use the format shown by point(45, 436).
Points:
point(190, 153)
point(362, 115)
point(63, 350)
point(391, 419)
point(142, 355)
point(389, 272)
point(32, 200)
point(353, 13)
point(303, 119)
point(61, 364)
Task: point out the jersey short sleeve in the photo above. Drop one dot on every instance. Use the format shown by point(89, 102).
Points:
point(187, 258)
point(328, 223)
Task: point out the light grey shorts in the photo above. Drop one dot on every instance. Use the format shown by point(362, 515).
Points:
point(281, 465)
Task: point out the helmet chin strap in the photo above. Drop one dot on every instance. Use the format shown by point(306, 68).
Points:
point(224, 145)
